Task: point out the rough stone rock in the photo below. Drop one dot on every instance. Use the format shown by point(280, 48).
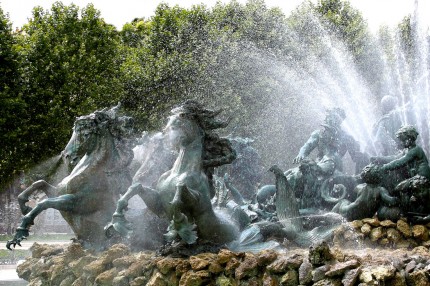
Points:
point(291, 278)
point(366, 229)
point(93, 269)
point(410, 266)
point(81, 281)
point(124, 262)
point(139, 281)
point(328, 282)
point(195, 278)
point(357, 224)
point(320, 253)
point(225, 255)
point(350, 277)
point(404, 228)
point(168, 264)
point(106, 278)
point(201, 261)
point(420, 232)
point(366, 276)
point(421, 250)
point(305, 272)
point(120, 281)
point(78, 265)
point(319, 273)
point(398, 280)
point(231, 266)
point(418, 278)
point(157, 279)
point(66, 281)
point(182, 267)
point(248, 267)
point(74, 251)
point(215, 267)
point(114, 252)
point(225, 281)
point(24, 269)
point(253, 281)
point(44, 250)
point(393, 235)
point(372, 221)
point(383, 273)
point(59, 272)
point(270, 280)
point(266, 257)
point(282, 264)
point(387, 223)
point(340, 268)
point(376, 234)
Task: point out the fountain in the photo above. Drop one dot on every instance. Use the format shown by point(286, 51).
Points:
point(203, 227)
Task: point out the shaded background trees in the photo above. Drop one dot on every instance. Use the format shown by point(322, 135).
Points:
point(271, 73)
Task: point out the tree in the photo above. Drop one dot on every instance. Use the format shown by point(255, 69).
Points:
point(12, 107)
point(69, 68)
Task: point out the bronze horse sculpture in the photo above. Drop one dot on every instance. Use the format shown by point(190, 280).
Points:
point(183, 194)
point(87, 197)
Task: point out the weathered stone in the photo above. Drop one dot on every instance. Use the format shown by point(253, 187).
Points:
point(366, 229)
point(81, 281)
point(225, 281)
point(384, 241)
point(328, 282)
point(350, 277)
point(215, 267)
point(305, 272)
point(195, 278)
point(24, 269)
point(357, 224)
point(137, 268)
point(366, 276)
point(248, 267)
point(232, 265)
point(106, 278)
point(59, 272)
point(266, 257)
point(418, 278)
point(387, 223)
point(253, 281)
point(168, 264)
point(421, 250)
point(282, 264)
point(114, 252)
point(157, 279)
point(319, 253)
point(340, 268)
point(319, 273)
point(376, 234)
point(372, 221)
point(44, 250)
point(420, 232)
point(393, 235)
point(398, 280)
point(404, 228)
point(410, 266)
point(139, 281)
point(68, 281)
point(201, 261)
point(291, 278)
point(270, 280)
point(95, 268)
point(124, 262)
point(383, 273)
point(225, 255)
point(120, 281)
point(182, 267)
point(78, 265)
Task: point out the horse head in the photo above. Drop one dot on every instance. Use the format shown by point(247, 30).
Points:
point(90, 130)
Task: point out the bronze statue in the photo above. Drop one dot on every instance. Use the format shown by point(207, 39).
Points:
point(87, 197)
point(183, 194)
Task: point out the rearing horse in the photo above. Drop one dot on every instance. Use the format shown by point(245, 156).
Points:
point(183, 194)
point(87, 197)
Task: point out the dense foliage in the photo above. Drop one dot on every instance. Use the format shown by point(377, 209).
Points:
point(249, 59)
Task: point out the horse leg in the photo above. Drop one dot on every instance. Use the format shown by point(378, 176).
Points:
point(119, 223)
point(180, 226)
point(41, 185)
point(61, 203)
